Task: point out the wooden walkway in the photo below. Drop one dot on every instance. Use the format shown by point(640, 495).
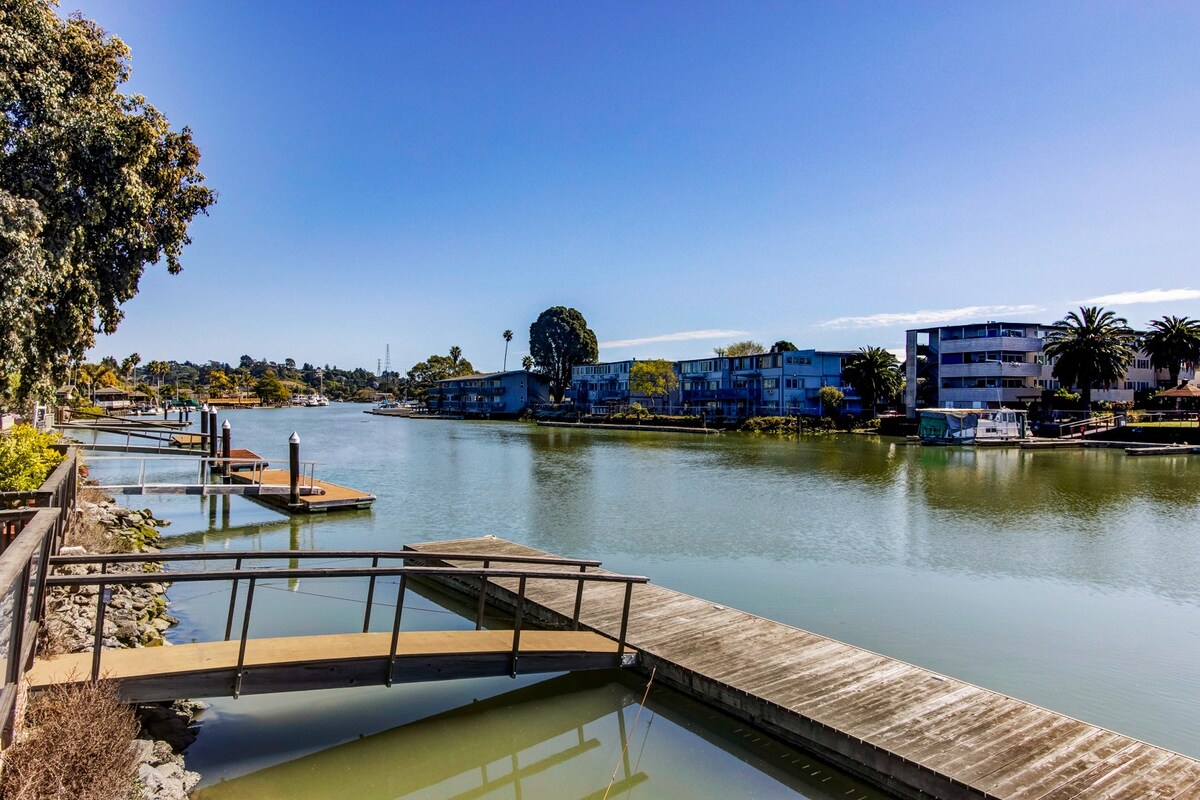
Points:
point(909, 731)
point(296, 663)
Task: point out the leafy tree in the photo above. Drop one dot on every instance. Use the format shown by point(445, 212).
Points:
point(1092, 348)
point(1172, 343)
point(746, 347)
point(437, 368)
point(219, 382)
point(782, 346)
point(875, 373)
point(831, 398)
point(654, 378)
point(559, 339)
point(270, 389)
point(94, 185)
point(107, 378)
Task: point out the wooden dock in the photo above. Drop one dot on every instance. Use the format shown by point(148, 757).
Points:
point(911, 732)
point(325, 496)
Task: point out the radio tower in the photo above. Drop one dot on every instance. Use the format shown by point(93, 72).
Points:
point(378, 366)
point(387, 359)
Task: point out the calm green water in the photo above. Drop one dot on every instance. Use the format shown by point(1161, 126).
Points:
point(1070, 579)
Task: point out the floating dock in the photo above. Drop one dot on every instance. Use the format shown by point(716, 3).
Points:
point(325, 496)
point(909, 731)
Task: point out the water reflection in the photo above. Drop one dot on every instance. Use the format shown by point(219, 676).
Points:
point(571, 736)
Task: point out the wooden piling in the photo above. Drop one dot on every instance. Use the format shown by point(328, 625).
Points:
point(226, 436)
point(212, 433)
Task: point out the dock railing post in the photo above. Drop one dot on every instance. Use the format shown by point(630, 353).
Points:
point(578, 600)
point(226, 436)
point(241, 662)
point(624, 619)
point(512, 671)
point(294, 468)
point(396, 629)
point(370, 596)
point(483, 587)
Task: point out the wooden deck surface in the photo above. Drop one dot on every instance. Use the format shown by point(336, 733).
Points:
point(889, 721)
point(334, 495)
point(175, 661)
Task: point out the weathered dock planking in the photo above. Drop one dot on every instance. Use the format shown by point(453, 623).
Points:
point(909, 731)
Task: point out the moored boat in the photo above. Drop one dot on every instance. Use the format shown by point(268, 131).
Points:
point(972, 425)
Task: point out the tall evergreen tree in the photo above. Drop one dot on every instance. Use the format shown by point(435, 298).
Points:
point(560, 339)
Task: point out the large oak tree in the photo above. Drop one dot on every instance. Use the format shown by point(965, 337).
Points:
point(560, 339)
point(94, 185)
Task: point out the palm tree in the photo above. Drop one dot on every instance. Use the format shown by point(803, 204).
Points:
point(875, 373)
point(129, 366)
point(1089, 349)
point(507, 339)
point(455, 355)
point(158, 369)
point(527, 363)
point(1173, 342)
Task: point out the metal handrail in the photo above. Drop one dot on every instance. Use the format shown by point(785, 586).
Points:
point(105, 580)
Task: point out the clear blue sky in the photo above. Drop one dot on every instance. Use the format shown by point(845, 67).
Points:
point(429, 174)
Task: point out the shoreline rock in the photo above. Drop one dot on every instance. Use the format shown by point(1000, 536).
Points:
point(136, 617)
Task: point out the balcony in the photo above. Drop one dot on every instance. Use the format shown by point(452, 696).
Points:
point(1014, 344)
point(986, 396)
point(992, 369)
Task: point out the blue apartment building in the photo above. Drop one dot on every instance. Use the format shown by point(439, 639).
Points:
point(769, 384)
point(599, 388)
point(495, 394)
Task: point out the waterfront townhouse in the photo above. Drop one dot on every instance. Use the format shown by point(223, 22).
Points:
point(994, 364)
point(768, 384)
point(494, 394)
point(600, 388)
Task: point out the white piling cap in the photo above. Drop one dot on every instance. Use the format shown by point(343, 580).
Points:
point(294, 438)
point(225, 426)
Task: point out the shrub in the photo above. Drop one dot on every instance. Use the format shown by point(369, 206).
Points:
point(26, 459)
point(77, 745)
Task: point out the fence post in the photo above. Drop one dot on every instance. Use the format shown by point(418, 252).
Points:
point(294, 469)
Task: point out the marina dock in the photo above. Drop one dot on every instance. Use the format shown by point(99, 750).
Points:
point(907, 730)
point(323, 496)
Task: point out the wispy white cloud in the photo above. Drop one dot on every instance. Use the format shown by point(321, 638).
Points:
point(1146, 296)
point(928, 317)
point(682, 336)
